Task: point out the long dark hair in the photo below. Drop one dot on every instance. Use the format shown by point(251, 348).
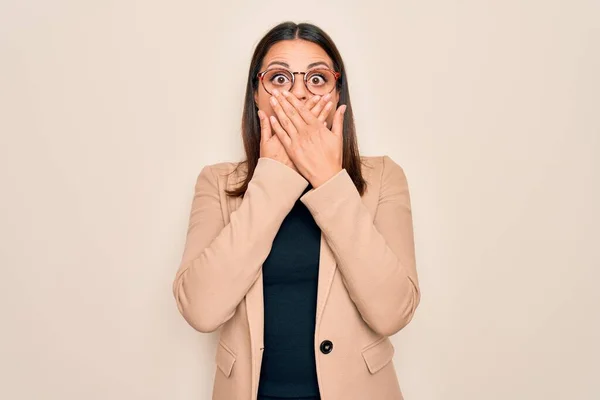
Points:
point(251, 124)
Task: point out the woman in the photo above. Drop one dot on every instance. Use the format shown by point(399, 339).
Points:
point(303, 254)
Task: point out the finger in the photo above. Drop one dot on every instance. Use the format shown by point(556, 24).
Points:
point(281, 133)
point(265, 127)
point(321, 104)
point(338, 120)
point(296, 106)
point(291, 111)
point(312, 102)
point(326, 110)
point(284, 120)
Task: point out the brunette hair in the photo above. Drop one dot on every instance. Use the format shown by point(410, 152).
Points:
point(251, 124)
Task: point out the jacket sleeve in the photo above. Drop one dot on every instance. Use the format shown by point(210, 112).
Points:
point(221, 262)
point(376, 258)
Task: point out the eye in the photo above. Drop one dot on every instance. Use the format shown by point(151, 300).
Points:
point(317, 79)
point(279, 79)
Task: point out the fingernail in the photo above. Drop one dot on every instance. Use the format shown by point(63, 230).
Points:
point(328, 105)
point(286, 93)
point(344, 110)
point(259, 115)
point(272, 118)
point(327, 96)
point(275, 92)
point(273, 100)
point(316, 98)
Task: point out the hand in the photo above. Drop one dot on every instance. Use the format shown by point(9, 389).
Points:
point(270, 145)
point(320, 107)
point(315, 150)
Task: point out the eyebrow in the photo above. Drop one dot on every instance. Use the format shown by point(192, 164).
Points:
point(284, 64)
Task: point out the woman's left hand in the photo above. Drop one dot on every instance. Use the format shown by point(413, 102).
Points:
point(315, 150)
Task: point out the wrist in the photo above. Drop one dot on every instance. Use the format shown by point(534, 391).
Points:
point(323, 178)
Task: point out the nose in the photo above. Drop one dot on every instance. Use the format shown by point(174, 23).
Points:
point(299, 89)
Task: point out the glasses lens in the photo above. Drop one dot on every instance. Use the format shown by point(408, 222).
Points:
point(320, 81)
point(279, 79)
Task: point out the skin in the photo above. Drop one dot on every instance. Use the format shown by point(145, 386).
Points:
point(298, 129)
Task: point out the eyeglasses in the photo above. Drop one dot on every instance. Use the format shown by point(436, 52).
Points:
point(318, 81)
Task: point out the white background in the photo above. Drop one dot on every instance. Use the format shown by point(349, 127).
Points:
point(109, 109)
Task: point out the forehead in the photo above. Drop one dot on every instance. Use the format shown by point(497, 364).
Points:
point(297, 53)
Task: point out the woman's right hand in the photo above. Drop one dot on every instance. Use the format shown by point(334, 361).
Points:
point(270, 145)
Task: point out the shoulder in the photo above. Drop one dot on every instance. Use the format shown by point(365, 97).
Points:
point(226, 167)
point(381, 166)
point(213, 173)
point(389, 178)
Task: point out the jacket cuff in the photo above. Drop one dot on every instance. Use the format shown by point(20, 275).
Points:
point(280, 175)
point(339, 188)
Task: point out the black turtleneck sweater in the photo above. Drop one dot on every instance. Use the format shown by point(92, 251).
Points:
point(290, 277)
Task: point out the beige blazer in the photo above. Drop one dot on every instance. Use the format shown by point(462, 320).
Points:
point(367, 290)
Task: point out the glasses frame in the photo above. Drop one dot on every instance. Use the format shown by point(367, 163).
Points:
point(336, 75)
